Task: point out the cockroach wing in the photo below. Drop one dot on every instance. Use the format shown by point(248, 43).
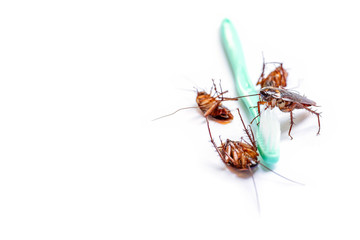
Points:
point(291, 96)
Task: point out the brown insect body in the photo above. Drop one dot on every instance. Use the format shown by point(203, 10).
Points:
point(286, 101)
point(238, 154)
point(211, 106)
point(276, 78)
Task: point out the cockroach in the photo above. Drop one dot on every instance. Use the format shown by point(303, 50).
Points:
point(276, 78)
point(286, 101)
point(242, 155)
point(211, 105)
point(238, 154)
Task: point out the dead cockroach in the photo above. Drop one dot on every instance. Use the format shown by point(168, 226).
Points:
point(276, 78)
point(286, 101)
point(238, 154)
point(241, 155)
point(211, 105)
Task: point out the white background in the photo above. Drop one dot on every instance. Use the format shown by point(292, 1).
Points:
point(80, 158)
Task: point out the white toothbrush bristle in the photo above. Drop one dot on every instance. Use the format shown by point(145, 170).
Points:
point(269, 133)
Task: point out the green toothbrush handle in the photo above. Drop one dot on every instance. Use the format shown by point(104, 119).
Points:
point(233, 50)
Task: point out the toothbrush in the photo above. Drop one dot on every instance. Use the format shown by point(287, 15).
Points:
point(268, 131)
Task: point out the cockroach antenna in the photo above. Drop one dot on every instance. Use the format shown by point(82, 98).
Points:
point(255, 188)
point(288, 179)
point(167, 115)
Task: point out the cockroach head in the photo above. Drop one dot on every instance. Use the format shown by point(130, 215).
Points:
point(268, 93)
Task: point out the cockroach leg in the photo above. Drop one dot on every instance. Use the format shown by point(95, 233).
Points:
point(318, 116)
point(291, 124)
point(220, 86)
point(211, 109)
point(254, 119)
point(221, 141)
point(283, 78)
point(258, 107)
point(215, 89)
point(248, 132)
point(222, 97)
point(261, 103)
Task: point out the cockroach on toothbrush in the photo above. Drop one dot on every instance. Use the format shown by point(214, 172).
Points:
point(211, 105)
point(241, 155)
point(286, 101)
point(276, 78)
